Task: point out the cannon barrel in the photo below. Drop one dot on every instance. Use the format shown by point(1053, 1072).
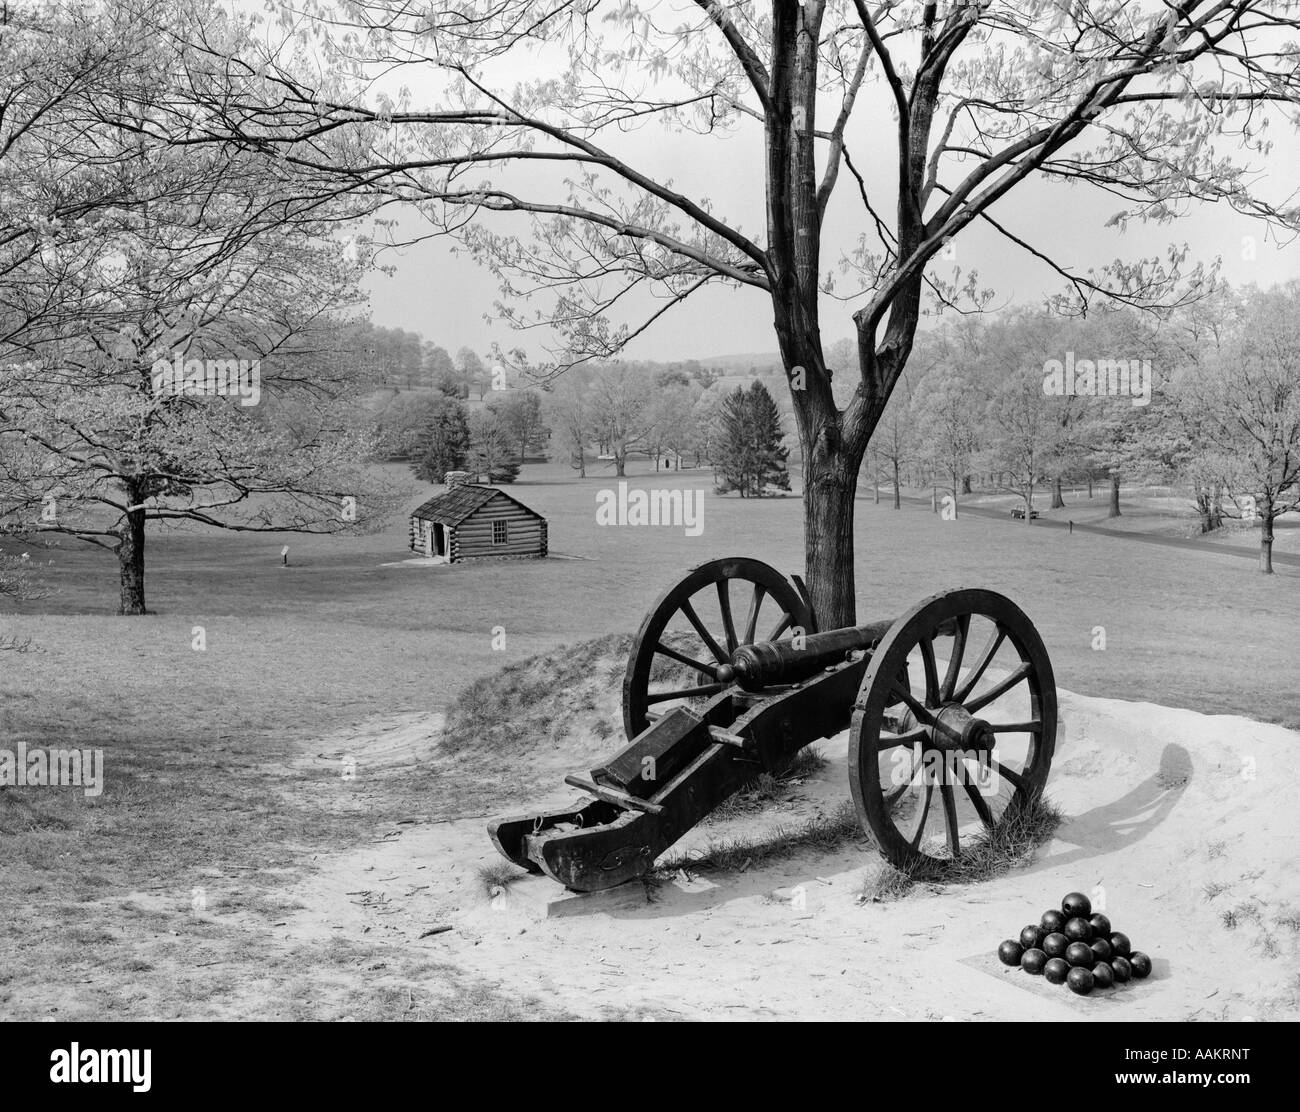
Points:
point(771, 663)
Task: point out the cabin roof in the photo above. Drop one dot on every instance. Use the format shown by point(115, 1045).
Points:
point(455, 505)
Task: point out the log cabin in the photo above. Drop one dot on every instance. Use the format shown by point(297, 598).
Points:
point(471, 522)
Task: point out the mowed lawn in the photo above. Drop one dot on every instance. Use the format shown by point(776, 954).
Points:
point(196, 741)
point(337, 634)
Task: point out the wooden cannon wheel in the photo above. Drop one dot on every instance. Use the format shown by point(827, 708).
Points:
point(695, 626)
point(985, 752)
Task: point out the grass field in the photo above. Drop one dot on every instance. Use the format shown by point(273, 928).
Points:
point(199, 745)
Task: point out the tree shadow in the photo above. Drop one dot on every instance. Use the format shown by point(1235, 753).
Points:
point(1129, 819)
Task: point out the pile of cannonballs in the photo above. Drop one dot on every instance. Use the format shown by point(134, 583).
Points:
point(1076, 948)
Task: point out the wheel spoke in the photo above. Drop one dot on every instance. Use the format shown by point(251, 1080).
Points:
point(780, 627)
point(919, 832)
point(1017, 781)
point(719, 654)
point(751, 622)
point(920, 710)
point(926, 645)
point(1000, 688)
point(909, 738)
point(954, 659)
point(728, 622)
point(894, 796)
point(950, 817)
point(685, 692)
point(1032, 727)
point(980, 803)
point(710, 670)
point(989, 651)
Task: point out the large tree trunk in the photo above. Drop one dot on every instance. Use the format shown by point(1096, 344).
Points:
point(965, 484)
point(897, 503)
point(1266, 543)
point(1057, 501)
point(1090, 485)
point(130, 558)
point(620, 464)
point(829, 491)
point(1114, 497)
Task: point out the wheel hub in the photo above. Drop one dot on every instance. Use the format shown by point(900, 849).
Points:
point(954, 729)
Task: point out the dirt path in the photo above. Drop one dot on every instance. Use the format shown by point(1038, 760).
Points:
point(1164, 807)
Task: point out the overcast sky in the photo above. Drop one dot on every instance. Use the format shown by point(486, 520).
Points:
point(445, 296)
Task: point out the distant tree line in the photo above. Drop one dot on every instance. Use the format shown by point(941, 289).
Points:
point(1205, 398)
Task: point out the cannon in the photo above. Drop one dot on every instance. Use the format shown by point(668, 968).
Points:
point(707, 706)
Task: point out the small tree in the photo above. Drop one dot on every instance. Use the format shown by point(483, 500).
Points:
point(734, 455)
point(568, 407)
point(770, 453)
point(444, 442)
point(945, 413)
point(441, 372)
point(1249, 398)
point(470, 372)
point(490, 453)
point(893, 437)
point(750, 453)
point(520, 415)
point(1023, 431)
point(671, 414)
point(621, 398)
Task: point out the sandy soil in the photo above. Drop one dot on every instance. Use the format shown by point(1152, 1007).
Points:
point(1160, 804)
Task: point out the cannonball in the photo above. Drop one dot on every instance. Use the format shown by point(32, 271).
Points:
point(1052, 921)
point(1141, 965)
point(1076, 903)
point(1056, 970)
point(1010, 952)
point(1078, 930)
point(1102, 975)
point(1080, 954)
point(1032, 936)
point(1080, 980)
point(1100, 925)
point(1101, 950)
point(1120, 943)
point(1033, 961)
point(1121, 968)
point(1054, 945)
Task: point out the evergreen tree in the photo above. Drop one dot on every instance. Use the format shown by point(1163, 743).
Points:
point(441, 372)
point(769, 453)
point(750, 454)
point(734, 458)
point(443, 442)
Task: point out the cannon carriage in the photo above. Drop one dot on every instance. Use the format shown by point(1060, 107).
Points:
point(951, 707)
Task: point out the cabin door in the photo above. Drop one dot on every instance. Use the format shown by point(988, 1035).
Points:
point(439, 541)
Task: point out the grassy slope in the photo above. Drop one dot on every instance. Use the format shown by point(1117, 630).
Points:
point(291, 654)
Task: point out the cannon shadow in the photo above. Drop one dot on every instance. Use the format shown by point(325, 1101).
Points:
point(1128, 819)
point(1105, 829)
